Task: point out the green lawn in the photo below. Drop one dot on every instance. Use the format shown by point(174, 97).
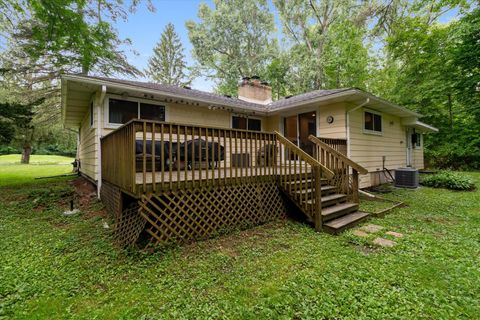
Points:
point(56, 267)
point(14, 173)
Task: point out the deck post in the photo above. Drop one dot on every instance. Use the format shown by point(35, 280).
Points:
point(317, 183)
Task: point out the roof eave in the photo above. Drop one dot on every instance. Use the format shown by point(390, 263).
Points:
point(259, 110)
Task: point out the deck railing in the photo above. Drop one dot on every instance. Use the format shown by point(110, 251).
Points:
point(339, 145)
point(144, 156)
point(345, 170)
point(300, 176)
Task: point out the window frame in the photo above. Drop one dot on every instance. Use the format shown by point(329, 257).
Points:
point(368, 131)
point(420, 140)
point(246, 117)
point(111, 125)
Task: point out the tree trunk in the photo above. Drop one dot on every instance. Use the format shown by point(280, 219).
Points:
point(27, 151)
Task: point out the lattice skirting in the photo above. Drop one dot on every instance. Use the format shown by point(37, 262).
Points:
point(112, 199)
point(187, 215)
point(128, 226)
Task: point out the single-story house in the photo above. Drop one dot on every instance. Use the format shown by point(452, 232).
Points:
point(341, 130)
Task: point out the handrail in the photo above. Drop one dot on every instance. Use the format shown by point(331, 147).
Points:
point(306, 157)
point(300, 176)
point(165, 156)
point(346, 160)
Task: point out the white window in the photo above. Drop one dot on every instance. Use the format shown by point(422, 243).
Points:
point(122, 111)
point(416, 140)
point(246, 123)
point(372, 122)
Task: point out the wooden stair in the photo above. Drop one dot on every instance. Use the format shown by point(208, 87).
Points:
point(337, 213)
point(324, 187)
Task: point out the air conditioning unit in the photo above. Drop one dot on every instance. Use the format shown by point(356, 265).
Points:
point(406, 178)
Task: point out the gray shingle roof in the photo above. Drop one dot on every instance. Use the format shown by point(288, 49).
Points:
point(219, 99)
point(286, 102)
point(187, 93)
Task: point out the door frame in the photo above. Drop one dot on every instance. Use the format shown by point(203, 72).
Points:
point(297, 116)
point(409, 147)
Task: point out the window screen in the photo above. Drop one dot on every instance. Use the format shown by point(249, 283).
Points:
point(152, 112)
point(246, 123)
point(239, 123)
point(373, 122)
point(122, 111)
point(416, 140)
point(254, 124)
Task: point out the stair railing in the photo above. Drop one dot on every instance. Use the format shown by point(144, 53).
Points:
point(300, 176)
point(345, 170)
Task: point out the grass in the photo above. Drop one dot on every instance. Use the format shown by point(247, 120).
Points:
point(60, 267)
point(13, 172)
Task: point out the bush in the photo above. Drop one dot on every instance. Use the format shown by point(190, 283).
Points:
point(449, 180)
point(54, 149)
point(9, 150)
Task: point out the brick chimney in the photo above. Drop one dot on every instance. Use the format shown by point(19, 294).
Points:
point(254, 90)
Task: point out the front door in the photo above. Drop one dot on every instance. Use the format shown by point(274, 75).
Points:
point(409, 148)
point(297, 129)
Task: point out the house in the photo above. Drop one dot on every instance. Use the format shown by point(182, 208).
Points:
point(156, 150)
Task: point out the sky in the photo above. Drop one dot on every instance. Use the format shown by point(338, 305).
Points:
point(144, 28)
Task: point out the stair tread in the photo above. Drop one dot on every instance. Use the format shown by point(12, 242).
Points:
point(333, 196)
point(339, 207)
point(330, 197)
point(308, 190)
point(346, 220)
point(305, 180)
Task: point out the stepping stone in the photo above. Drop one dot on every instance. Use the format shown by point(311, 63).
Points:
point(371, 228)
point(360, 233)
point(384, 242)
point(395, 234)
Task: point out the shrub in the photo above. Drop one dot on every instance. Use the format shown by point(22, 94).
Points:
point(449, 180)
point(9, 150)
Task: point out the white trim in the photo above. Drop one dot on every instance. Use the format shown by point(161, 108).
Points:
point(374, 132)
point(98, 107)
point(110, 125)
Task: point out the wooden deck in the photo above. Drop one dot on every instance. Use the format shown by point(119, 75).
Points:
point(163, 166)
point(215, 174)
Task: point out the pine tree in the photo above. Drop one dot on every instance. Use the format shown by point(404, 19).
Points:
point(167, 65)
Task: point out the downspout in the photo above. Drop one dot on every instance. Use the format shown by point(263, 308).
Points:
point(367, 101)
point(99, 132)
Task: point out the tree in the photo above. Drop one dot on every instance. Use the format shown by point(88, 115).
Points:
point(327, 43)
point(233, 40)
point(167, 65)
point(45, 39)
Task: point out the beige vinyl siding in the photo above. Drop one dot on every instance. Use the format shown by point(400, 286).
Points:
point(368, 149)
point(335, 130)
point(272, 123)
point(88, 148)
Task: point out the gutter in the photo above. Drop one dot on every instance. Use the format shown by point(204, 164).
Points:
point(367, 101)
point(99, 109)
